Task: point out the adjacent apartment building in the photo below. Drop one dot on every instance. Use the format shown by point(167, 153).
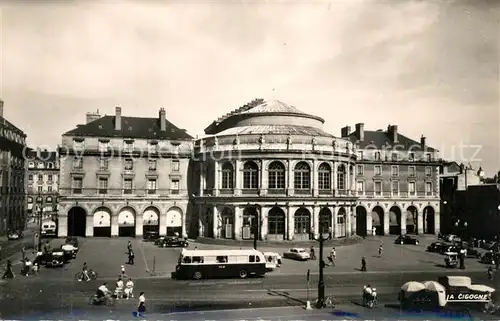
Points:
point(124, 176)
point(42, 183)
point(12, 171)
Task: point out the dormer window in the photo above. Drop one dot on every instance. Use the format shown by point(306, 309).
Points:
point(31, 165)
point(78, 144)
point(411, 156)
point(128, 146)
point(377, 156)
point(153, 147)
point(429, 157)
point(360, 155)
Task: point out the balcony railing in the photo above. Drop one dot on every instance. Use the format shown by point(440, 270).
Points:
point(276, 191)
point(227, 191)
point(325, 192)
point(151, 191)
point(250, 191)
point(301, 191)
point(103, 191)
point(119, 192)
point(174, 191)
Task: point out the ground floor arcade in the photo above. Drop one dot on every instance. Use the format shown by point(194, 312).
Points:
point(397, 218)
point(274, 222)
point(121, 218)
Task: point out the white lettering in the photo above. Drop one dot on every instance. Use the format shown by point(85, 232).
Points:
point(467, 297)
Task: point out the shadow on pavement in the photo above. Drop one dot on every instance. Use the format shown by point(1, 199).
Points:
point(284, 295)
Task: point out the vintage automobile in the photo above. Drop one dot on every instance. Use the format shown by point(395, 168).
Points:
point(12, 236)
point(451, 259)
point(472, 253)
point(174, 242)
point(159, 240)
point(273, 260)
point(488, 258)
point(406, 239)
point(299, 254)
point(56, 259)
point(69, 251)
point(151, 236)
point(460, 290)
point(73, 241)
point(438, 247)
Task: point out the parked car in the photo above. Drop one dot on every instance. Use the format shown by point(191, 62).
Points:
point(159, 240)
point(174, 242)
point(15, 236)
point(69, 251)
point(438, 247)
point(56, 260)
point(473, 253)
point(406, 239)
point(297, 254)
point(73, 241)
point(151, 236)
point(488, 258)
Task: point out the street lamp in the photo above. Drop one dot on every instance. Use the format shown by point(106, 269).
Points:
point(39, 201)
point(256, 228)
point(321, 282)
point(461, 228)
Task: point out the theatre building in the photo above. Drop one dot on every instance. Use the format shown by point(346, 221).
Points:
point(269, 170)
point(397, 182)
point(123, 176)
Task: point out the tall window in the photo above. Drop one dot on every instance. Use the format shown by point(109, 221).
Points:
point(40, 188)
point(377, 156)
point(250, 175)
point(428, 171)
point(152, 164)
point(129, 164)
point(324, 177)
point(429, 157)
point(153, 147)
point(360, 155)
point(103, 146)
point(395, 187)
point(49, 177)
point(360, 186)
point(227, 176)
point(378, 170)
point(103, 185)
point(128, 146)
point(30, 177)
point(341, 173)
point(378, 188)
point(174, 186)
point(302, 221)
point(394, 157)
point(411, 171)
point(411, 156)
point(411, 188)
point(175, 166)
point(127, 186)
point(103, 163)
point(302, 175)
point(40, 177)
point(276, 175)
point(77, 185)
point(428, 188)
point(49, 189)
point(360, 170)
point(151, 186)
point(77, 163)
point(395, 170)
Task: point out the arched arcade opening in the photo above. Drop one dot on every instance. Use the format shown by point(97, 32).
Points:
point(227, 223)
point(395, 221)
point(325, 222)
point(126, 222)
point(302, 224)
point(361, 221)
point(276, 224)
point(250, 221)
point(174, 222)
point(378, 220)
point(429, 220)
point(102, 222)
point(151, 220)
point(77, 221)
point(341, 223)
point(412, 220)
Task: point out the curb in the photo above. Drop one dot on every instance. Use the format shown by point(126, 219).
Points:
point(281, 244)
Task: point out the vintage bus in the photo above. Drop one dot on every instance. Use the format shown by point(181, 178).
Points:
point(205, 264)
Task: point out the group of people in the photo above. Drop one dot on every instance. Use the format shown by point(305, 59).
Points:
point(331, 258)
point(103, 294)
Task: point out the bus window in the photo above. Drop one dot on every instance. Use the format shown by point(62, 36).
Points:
point(197, 259)
point(257, 258)
point(187, 259)
point(251, 258)
point(221, 259)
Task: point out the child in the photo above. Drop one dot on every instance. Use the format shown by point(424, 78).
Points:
point(142, 305)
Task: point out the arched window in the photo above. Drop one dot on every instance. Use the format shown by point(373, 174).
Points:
point(324, 177)
point(302, 175)
point(276, 176)
point(227, 176)
point(250, 175)
point(341, 173)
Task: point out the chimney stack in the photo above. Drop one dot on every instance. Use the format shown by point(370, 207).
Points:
point(118, 118)
point(360, 131)
point(93, 116)
point(163, 120)
point(422, 141)
point(393, 132)
point(345, 131)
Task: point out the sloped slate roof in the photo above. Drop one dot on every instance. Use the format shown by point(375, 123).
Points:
point(45, 155)
point(380, 138)
point(275, 129)
point(131, 127)
point(273, 106)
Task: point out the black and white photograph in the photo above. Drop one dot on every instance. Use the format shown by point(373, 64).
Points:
point(249, 160)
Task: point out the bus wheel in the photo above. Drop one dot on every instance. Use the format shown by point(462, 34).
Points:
point(197, 275)
point(243, 274)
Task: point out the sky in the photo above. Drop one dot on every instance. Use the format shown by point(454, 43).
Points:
point(431, 67)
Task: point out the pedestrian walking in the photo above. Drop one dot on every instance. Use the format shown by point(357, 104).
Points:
point(8, 271)
point(333, 253)
point(374, 230)
point(23, 253)
point(380, 249)
point(129, 289)
point(312, 254)
point(131, 257)
point(129, 247)
point(363, 264)
point(123, 271)
point(141, 309)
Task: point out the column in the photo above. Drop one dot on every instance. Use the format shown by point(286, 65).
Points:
point(403, 223)
point(184, 223)
point(350, 222)
point(163, 224)
point(347, 179)
point(290, 223)
point(264, 223)
point(89, 226)
point(353, 220)
point(201, 222)
point(238, 217)
point(386, 223)
point(334, 180)
point(369, 224)
point(62, 226)
point(138, 225)
point(315, 221)
point(420, 223)
point(202, 179)
point(238, 177)
point(264, 185)
point(216, 178)
point(114, 225)
point(216, 222)
point(353, 179)
point(315, 182)
point(333, 209)
point(290, 178)
point(437, 223)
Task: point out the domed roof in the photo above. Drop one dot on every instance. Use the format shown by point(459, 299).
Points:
point(273, 106)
